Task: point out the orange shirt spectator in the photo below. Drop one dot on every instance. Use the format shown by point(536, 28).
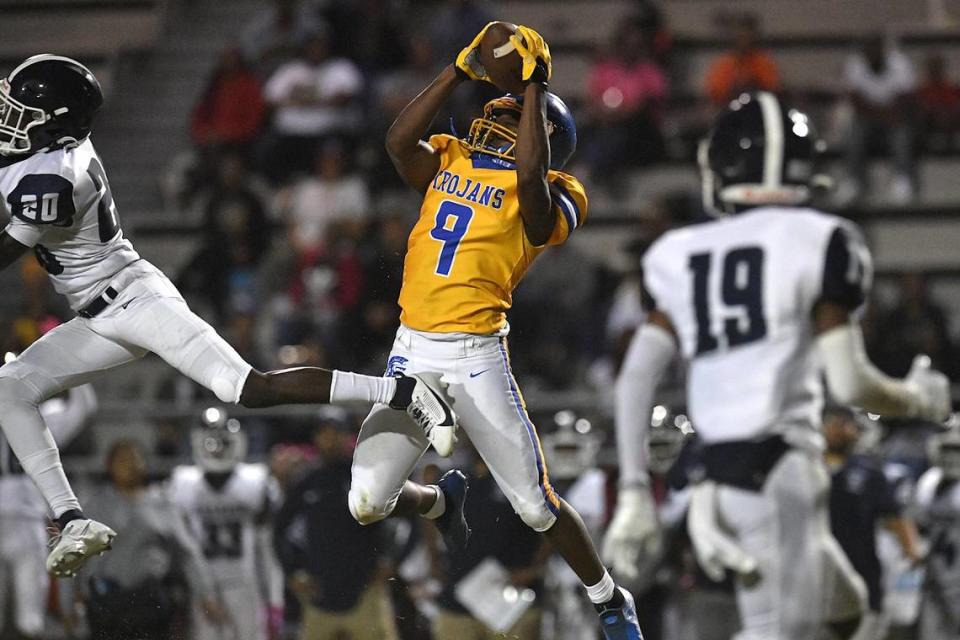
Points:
point(232, 108)
point(734, 73)
point(744, 68)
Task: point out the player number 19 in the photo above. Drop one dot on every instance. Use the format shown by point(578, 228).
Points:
point(453, 220)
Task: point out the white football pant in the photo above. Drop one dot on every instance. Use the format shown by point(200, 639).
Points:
point(485, 396)
point(23, 552)
point(149, 315)
point(806, 580)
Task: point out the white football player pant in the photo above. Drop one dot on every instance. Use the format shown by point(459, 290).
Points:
point(148, 315)
point(23, 551)
point(806, 580)
point(244, 609)
point(485, 396)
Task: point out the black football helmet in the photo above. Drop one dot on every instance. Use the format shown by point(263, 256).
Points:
point(759, 152)
point(47, 102)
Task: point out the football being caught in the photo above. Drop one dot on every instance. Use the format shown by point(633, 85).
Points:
point(501, 60)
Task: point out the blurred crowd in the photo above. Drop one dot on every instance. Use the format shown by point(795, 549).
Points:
point(216, 546)
point(301, 233)
point(301, 221)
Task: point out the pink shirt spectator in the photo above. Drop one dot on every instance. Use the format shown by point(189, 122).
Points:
point(617, 86)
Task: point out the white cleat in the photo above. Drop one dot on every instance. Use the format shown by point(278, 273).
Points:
point(429, 409)
point(79, 541)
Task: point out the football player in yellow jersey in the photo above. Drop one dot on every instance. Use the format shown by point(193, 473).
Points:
point(492, 203)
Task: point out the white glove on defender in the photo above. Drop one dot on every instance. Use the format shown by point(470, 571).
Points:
point(633, 541)
point(715, 549)
point(933, 389)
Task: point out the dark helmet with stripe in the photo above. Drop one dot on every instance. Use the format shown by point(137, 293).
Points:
point(47, 102)
point(759, 152)
point(489, 137)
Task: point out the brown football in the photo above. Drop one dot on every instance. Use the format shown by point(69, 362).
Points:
point(506, 69)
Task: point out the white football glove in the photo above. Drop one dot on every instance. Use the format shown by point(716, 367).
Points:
point(933, 389)
point(715, 549)
point(633, 541)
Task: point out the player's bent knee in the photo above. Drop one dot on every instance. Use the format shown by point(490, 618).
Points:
point(537, 517)
point(365, 509)
point(15, 390)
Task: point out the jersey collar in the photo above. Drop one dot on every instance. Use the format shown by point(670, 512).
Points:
point(486, 161)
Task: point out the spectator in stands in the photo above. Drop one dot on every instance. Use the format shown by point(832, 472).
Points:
point(331, 194)
point(236, 235)
point(273, 36)
point(649, 19)
point(917, 324)
point(880, 82)
point(314, 98)
point(230, 110)
point(938, 100)
point(626, 91)
point(394, 90)
point(373, 330)
point(334, 565)
point(861, 498)
point(131, 592)
point(40, 309)
point(372, 32)
point(745, 67)
point(454, 24)
point(498, 535)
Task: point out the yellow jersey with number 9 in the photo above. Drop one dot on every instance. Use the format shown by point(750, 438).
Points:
point(468, 251)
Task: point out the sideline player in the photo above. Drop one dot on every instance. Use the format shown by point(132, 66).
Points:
point(24, 582)
point(938, 503)
point(54, 187)
point(228, 503)
point(492, 203)
point(758, 302)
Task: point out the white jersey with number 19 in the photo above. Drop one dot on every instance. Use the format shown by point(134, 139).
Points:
point(60, 204)
point(740, 292)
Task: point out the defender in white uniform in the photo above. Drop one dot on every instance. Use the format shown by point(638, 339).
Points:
point(54, 187)
point(938, 502)
point(759, 303)
point(24, 581)
point(228, 504)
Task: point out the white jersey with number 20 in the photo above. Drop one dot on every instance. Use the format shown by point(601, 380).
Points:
point(60, 204)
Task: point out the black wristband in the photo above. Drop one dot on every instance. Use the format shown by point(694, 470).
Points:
point(539, 75)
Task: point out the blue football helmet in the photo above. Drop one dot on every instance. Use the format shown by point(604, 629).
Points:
point(489, 137)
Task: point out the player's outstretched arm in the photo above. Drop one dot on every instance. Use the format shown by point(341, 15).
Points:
point(10, 250)
point(633, 537)
point(415, 160)
point(853, 380)
point(533, 162)
point(533, 140)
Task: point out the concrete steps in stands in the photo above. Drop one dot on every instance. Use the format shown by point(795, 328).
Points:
point(145, 125)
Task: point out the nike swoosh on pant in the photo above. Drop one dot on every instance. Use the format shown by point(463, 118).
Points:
point(474, 375)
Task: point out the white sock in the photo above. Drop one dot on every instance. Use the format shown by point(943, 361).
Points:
point(46, 471)
point(352, 387)
point(439, 506)
point(603, 590)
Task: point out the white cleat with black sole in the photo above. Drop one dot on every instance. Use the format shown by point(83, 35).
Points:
point(423, 402)
point(77, 542)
